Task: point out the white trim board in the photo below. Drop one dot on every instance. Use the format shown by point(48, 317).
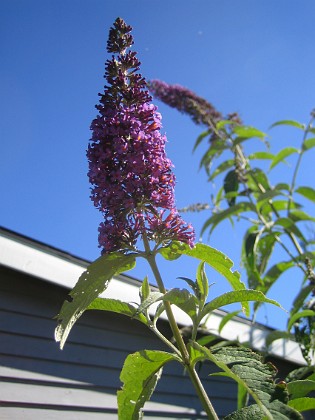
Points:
point(52, 265)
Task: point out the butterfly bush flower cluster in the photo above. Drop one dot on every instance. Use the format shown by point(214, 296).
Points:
point(131, 176)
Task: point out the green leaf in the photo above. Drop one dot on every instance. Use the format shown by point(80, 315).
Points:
point(299, 315)
point(299, 215)
point(289, 122)
point(302, 404)
point(309, 143)
point(261, 253)
point(226, 319)
point(290, 226)
point(247, 132)
point(237, 296)
point(222, 123)
point(300, 298)
point(146, 303)
point(278, 411)
point(246, 368)
point(200, 138)
point(230, 184)
point(273, 274)
point(202, 283)
point(306, 192)
point(159, 310)
point(218, 197)
point(140, 374)
point(216, 259)
point(261, 155)
point(266, 197)
point(311, 377)
point(304, 372)
point(250, 241)
point(256, 178)
point(284, 153)
point(206, 339)
point(278, 205)
point(221, 168)
point(263, 249)
point(90, 285)
point(192, 284)
point(183, 300)
point(277, 335)
point(299, 389)
point(282, 186)
point(117, 306)
point(242, 396)
point(145, 289)
point(215, 149)
point(216, 218)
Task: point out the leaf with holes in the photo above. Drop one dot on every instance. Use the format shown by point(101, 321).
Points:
point(140, 374)
point(257, 378)
point(90, 285)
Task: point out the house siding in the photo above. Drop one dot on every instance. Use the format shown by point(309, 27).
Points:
point(81, 381)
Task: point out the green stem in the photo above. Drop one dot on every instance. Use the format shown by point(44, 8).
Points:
point(298, 163)
point(204, 399)
point(165, 340)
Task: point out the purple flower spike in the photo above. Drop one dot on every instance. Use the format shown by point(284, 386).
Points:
point(186, 101)
point(131, 176)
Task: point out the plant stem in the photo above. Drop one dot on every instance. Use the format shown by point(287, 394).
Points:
point(204, 399)
point(165, 340)
point(298, 163)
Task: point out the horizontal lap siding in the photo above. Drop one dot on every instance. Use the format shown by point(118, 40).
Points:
point(40, 381)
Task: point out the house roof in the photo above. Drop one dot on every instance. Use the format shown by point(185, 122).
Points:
point(53, 265)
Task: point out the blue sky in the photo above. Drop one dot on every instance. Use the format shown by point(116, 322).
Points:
point(253, 57)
